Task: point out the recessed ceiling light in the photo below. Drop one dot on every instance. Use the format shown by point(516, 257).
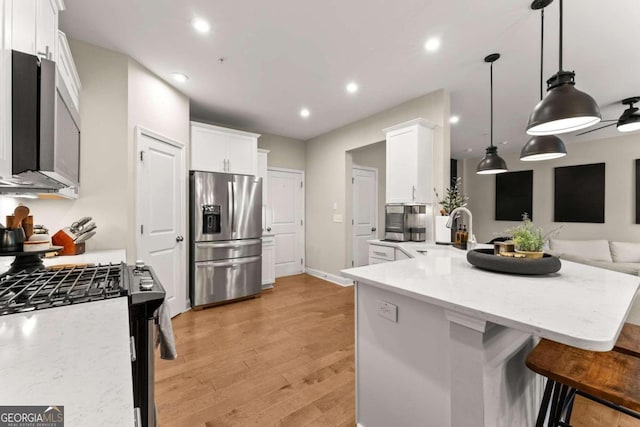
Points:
point(468, 150)
point(504, 142)
point(352, 87)
point(432, 45)
point(179, 77)
point(454, 119)
point(305, 113)
point(200, 25)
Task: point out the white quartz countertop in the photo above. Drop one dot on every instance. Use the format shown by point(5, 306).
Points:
point(76, 356)
point(581, 306)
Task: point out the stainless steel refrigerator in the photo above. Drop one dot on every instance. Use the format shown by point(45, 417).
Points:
point(225, 230)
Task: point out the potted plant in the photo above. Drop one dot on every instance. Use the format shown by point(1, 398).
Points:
point(453, 198)
point(528, 239)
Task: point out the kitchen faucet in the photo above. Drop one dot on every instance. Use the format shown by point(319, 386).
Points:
point(472, 239)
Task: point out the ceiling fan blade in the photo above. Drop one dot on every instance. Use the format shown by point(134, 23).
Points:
point(593, 130)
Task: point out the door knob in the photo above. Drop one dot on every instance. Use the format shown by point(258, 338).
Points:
point(268, 228)
point(373, 229)
point(179, 239)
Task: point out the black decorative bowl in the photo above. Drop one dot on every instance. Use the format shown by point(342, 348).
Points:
point(486, 260)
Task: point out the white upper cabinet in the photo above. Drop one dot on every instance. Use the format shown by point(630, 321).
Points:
point(409, 162)
point(24, 26)
point(46, 29)
point(208, 149)
point(218, 149)
point(242, 154)
point(67, 73)
point(35, 27)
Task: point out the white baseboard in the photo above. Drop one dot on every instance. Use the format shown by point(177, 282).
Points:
point(338, 280)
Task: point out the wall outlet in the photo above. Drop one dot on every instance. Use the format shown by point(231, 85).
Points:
point(388, 311)
point(337, 218)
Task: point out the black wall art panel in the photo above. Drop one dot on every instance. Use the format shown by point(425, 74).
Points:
point(638, 191)
point(514, 195)
point(579, 193)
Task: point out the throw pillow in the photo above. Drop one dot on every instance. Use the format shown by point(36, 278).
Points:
point(625, 251)
point(596, 250)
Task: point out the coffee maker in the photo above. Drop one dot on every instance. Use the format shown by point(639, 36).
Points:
point(405, 222)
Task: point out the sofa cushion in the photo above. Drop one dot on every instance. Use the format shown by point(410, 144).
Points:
point(625, 251)
point(596, 250)
point(621, 267)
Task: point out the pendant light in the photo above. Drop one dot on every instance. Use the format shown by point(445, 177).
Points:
point(491, 163)
point(565, 108)
point(630, 119)
point(542, 147)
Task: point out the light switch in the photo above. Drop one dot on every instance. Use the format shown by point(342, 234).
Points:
point(335, 206)
point(337, 218)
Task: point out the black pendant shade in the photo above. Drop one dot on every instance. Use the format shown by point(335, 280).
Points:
point(491, 163)
point(565, 108)
point(630, 119)
point(543, 147)
point(630, 124)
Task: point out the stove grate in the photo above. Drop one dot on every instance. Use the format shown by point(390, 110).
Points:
point(58, 287)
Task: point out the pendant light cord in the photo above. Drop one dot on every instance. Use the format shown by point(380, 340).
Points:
point(491, 84)
point(561, 31)
point(541, 50)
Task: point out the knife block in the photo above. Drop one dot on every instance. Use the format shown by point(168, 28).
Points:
point(69, 247)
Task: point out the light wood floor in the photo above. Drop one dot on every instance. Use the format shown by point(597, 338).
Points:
point(286, 358)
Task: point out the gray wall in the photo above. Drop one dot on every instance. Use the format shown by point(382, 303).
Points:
point(618, 153)
point(328, 175)
point(157, 106)
point(284, 152)
point(117, 95)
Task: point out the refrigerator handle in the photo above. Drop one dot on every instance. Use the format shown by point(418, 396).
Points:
point(233, 223)
point(230, 204)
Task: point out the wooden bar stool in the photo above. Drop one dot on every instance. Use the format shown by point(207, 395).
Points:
point(610, 378)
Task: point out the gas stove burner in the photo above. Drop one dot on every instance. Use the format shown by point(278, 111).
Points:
point(49, 288)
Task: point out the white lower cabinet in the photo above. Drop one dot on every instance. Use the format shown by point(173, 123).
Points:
point(379, 254)
point(268, 262)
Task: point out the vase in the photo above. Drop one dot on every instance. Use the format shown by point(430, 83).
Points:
point(532, 255)
point(443, 234)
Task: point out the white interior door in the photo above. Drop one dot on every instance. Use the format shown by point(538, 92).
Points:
point(161, 202)
point(365, 212)
point(286, 205)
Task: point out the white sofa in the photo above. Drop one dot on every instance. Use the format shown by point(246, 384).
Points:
point(618, 256)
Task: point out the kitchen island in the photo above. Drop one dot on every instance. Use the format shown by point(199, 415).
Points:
point(442, 343)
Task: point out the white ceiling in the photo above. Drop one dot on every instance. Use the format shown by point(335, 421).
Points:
point(282, 55)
